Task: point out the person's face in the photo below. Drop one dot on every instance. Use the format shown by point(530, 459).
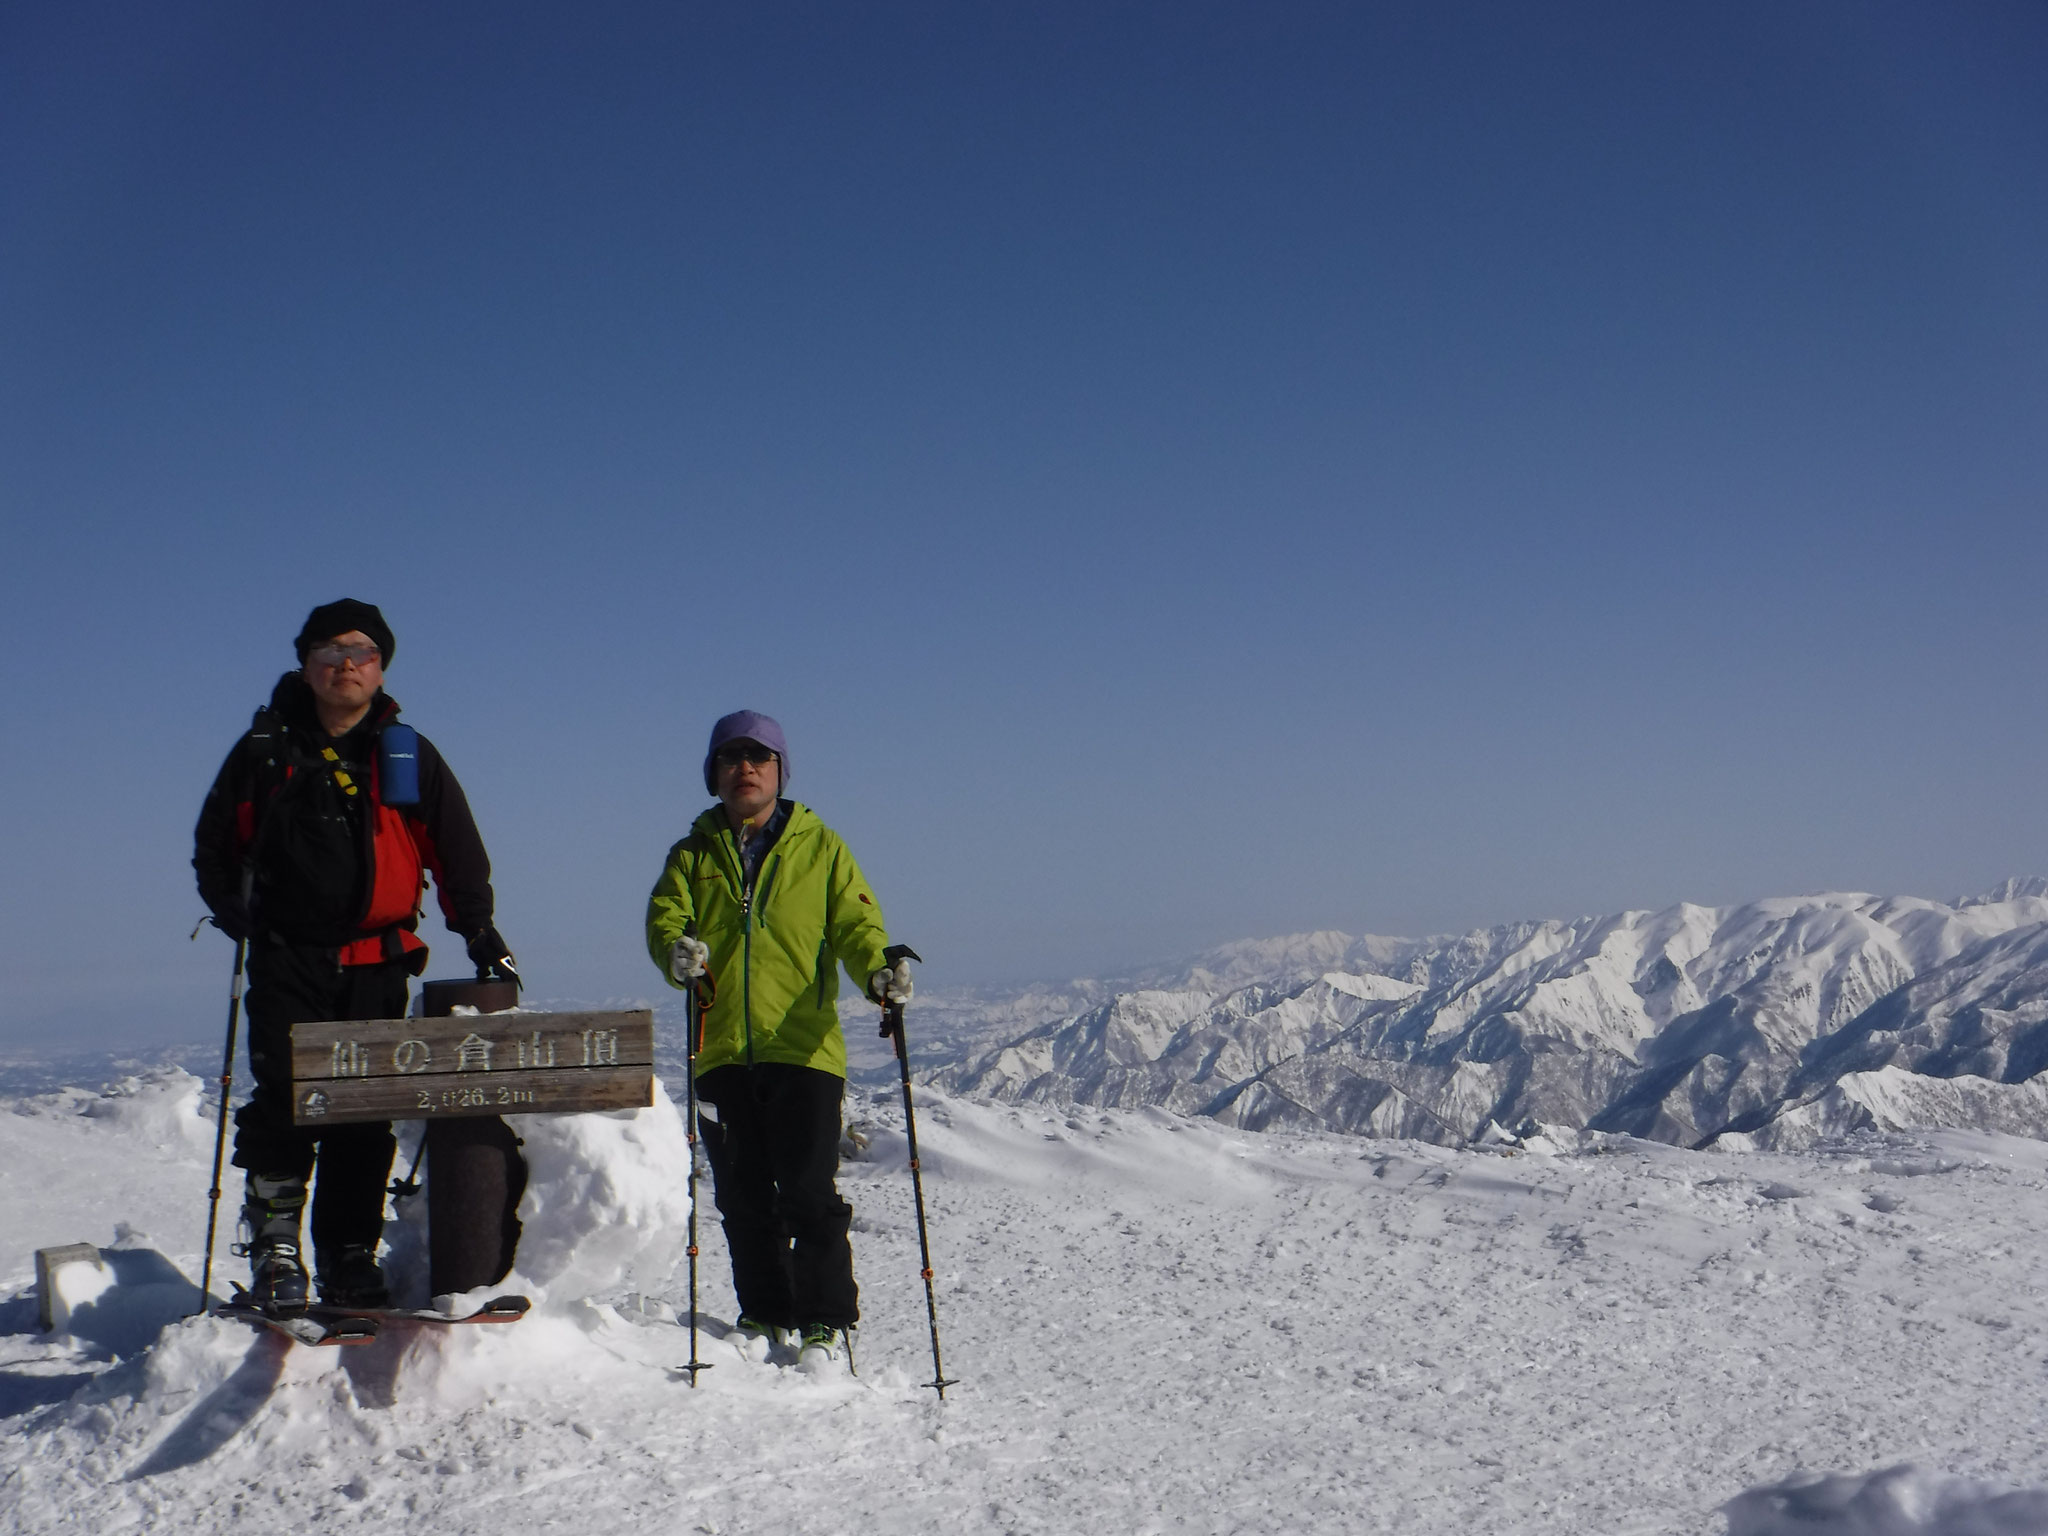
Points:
point(748, 778)
point(346, 671)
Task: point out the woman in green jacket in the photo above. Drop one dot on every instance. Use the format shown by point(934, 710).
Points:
point(764, 900)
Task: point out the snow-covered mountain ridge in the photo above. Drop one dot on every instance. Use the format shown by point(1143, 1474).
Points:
point(1771, 1021)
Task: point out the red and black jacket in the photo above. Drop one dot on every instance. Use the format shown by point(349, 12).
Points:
point(295, 842)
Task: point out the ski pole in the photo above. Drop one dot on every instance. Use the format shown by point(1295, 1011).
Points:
point(693, 1024)
point(220, 1130)
point(892, 1024)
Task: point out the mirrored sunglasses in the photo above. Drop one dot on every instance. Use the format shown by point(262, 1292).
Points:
point(335, 655)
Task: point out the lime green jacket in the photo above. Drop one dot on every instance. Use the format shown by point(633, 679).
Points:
point(776, 959)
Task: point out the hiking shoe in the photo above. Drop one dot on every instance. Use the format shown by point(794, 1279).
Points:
point(351, 1277)
point(277, 1280)
point(754, 1339)
point(822, 1351)
point(269, 1233)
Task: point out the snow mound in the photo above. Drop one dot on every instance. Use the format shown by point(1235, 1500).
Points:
point(162, 1109)
point(607, 1203)
point(1904, 1500)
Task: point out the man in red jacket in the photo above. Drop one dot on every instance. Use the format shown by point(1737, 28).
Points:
point(301, 851)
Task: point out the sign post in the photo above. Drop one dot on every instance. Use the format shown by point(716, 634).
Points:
point(460, 1072)
point(471, 1064)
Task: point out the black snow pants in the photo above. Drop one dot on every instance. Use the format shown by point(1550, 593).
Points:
point(771, 1134)
point(294, 984)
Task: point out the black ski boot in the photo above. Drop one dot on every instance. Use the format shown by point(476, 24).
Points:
point(270, 1237)
point(351, 1277)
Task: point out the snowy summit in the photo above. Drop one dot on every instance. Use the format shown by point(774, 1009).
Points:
point(1253, 1319)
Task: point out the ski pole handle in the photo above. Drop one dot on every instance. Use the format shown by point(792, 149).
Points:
point(892, 1013)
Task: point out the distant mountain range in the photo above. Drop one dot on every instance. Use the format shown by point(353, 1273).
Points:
point(1769, 1024)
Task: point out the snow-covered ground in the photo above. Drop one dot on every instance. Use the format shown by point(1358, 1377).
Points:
point(1158, 1324)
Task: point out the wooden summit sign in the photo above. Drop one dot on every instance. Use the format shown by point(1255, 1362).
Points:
point(471, 1064)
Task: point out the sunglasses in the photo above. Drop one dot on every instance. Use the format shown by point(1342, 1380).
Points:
point(335, 655)
point(733, 753)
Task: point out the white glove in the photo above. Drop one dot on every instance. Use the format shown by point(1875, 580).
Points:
point(891, 984)
point(687, 958)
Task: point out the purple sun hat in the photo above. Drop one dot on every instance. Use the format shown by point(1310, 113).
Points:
point(750, 725)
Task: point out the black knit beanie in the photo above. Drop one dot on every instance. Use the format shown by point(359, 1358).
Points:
point(338, 618)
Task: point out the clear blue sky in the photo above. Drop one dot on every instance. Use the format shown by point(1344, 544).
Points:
point(1178, 472)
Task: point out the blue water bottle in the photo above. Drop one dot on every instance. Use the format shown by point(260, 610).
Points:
point(398, 765)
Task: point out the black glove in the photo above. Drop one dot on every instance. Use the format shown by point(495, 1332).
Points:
point(234, 923)
point(493, 958)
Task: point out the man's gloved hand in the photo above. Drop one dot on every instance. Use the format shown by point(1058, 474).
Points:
point(688, 958)
point(493, 958)
point(891, 985)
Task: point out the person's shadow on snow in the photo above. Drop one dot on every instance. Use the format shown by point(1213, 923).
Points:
point(224, 1412)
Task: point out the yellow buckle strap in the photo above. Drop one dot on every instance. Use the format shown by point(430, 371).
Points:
point(348, 785)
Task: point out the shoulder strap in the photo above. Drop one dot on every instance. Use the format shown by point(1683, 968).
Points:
point(265, 749)
point(268, 751)
point(266, 734)
point(342, 777)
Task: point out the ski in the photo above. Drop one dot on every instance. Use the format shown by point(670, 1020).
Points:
point(499, 1309)
point(304, 1329)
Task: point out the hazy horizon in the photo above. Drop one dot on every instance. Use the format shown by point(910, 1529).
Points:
point(1178, 473)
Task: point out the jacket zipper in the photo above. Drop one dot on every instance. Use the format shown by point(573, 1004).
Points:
point(739, 859)
point(747, 936)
